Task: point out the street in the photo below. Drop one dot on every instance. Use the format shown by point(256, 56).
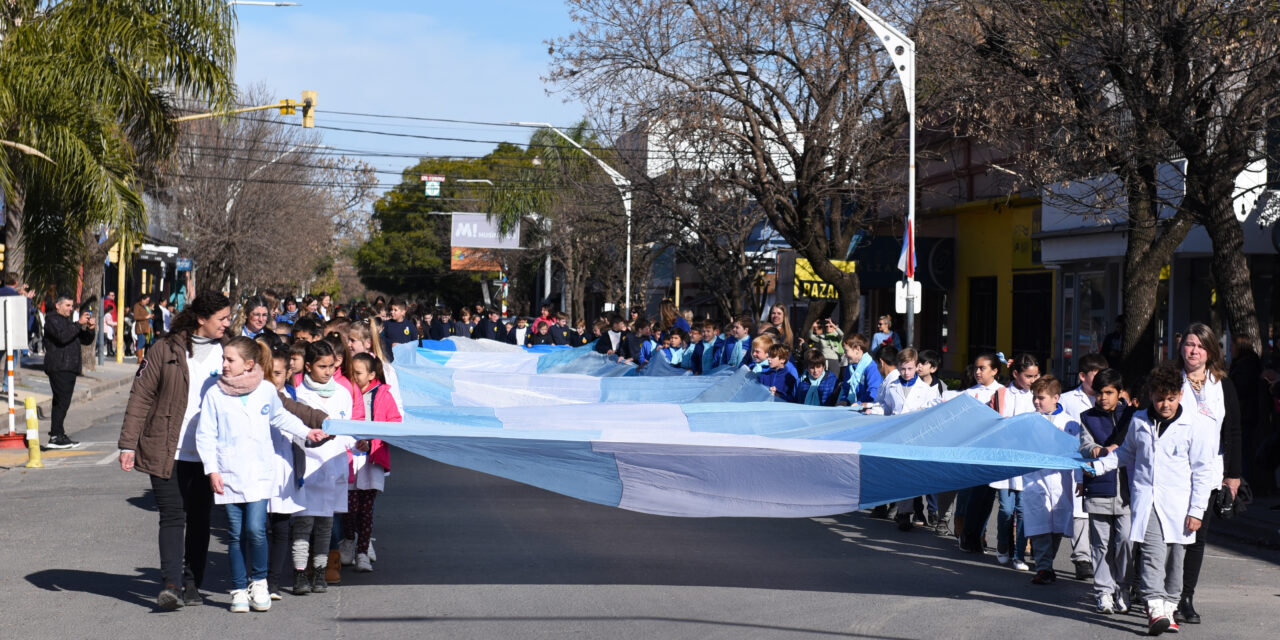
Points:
point(466, 555)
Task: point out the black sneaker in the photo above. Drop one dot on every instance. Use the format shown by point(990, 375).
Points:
point(904, 523)
point(61, 442)
point(1045, 576)
point(170, 598)
point(301, 585)
point(191, 596)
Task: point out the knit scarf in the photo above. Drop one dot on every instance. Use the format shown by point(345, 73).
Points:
point(813, 398)
point(241, 385)
point(325, 390)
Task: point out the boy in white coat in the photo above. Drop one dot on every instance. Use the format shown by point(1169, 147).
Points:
point(906, 394)
point(1172, 457)
point(233, 438)
point(1047, 495)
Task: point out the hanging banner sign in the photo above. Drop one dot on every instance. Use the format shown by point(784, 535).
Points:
point(432, 183)
point(809, 285)
point(476, 231)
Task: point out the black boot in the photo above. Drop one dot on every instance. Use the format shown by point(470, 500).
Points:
point(1187, 611)
point(301, 585)
point(318, 585)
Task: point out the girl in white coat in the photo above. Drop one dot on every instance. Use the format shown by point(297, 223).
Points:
point(907, 394)
point(971, 521)
point(1047, 496)
point(1011, 548)
point(324, 478)
point(360, 339)
point(233, 438)
point(1171, 452)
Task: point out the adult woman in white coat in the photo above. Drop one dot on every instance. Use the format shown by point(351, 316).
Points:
point(1207, 389)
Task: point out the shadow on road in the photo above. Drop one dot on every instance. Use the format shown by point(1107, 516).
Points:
point(135, 589)
point(745, 627)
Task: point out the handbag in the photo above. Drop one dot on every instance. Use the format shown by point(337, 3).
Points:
point(1226, 507)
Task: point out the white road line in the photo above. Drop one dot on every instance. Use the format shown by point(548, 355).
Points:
point(109, 458)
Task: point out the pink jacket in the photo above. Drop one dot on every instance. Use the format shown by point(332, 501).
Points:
point(357, 403)
point(384, 409)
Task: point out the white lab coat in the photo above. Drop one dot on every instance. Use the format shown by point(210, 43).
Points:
point(233, 438)
point(1048, 495)
point(897, 398)
point(1016, 402)
point(337, 406)
point(324, 480)
point(1075, 402)
point(393, 383)
point(1174, 472)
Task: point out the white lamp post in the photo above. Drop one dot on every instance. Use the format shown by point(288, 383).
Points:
point(624, 189)
point(903, 52)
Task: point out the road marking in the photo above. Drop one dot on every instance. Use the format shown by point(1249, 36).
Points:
point(109, 458)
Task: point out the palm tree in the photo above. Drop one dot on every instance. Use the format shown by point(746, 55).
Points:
point(87, 102)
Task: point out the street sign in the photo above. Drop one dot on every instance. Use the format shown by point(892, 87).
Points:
point(432, 184)
point(900, 296)
point(184, 264)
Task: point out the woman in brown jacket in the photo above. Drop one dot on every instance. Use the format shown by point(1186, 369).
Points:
point(158, 438)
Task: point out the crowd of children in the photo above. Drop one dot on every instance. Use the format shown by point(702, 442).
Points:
point(1128, 516)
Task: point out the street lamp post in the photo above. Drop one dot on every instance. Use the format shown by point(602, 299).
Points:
point(903, 52)
point(624, 189)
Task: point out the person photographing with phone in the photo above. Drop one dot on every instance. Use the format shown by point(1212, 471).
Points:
point(62, 340)
point(827, 338)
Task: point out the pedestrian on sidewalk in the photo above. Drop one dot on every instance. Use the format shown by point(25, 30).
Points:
point(142, 325)
point(62, 340)
point(159, 439)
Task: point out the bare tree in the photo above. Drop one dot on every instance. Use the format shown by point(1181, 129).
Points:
point(1122, 87)
point(792, 96)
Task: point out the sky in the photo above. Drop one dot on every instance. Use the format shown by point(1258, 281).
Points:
point(477, 60)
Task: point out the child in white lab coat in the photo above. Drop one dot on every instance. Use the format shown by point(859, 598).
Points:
point(907, 394)
point(1047, 496)
point(324, 486)
point(233, 438)
point(1172, 455)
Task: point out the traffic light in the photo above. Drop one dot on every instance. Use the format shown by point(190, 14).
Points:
point(288, 107)
point(309, 109)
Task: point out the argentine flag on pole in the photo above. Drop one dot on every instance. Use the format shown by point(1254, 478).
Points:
point(907, 259)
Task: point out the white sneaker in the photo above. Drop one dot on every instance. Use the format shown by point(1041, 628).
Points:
point(1019, 565)
point(373, 557)
point(363, 564)
point(347, 550)
point(240, 601)
point(1002, 558)
point(1122, 601)
point(1105, 604)
point(259, 596)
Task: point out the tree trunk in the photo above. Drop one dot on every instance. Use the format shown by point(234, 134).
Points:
point(1149, 248)
point(14, 256)
point(1231, 270)
point(95, 255)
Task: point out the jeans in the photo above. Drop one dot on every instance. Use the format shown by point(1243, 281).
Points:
point(247, 544)
point(184, 501)
point(63, 385)
point(1044, 548)
point(1161, 564)
point(977, 511)
point(1009, 521)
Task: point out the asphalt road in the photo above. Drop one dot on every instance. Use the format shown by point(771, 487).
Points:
point(465, 555)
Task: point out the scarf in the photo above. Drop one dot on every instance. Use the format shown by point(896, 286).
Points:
point(241, 385)
point(812, 397)
point(735, 357)
point(325, 390)
point(708, 350)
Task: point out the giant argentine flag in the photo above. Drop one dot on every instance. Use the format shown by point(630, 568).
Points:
point(731, 459)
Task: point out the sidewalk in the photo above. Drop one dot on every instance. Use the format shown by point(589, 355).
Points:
point(1259, 524)
point(33, 383)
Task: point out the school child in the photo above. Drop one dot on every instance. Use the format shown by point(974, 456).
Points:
point(520, 334)
point(543, 335)
point(398, 329)
point(342, 372)
point(1047, 495)
point(971, 520)
point(1011, 539)
point(817, 387)
point(307, 330)
point(559, 330)
point(233, 438)
point(360, 339)
point(637, 346)
point(706, 352)
point(930, 362)
point(611, 341)
point(1171, 452)
point(780, 376)
point(860, 383)
point(371, 462)
point(1104, 428)
point(1075, 403)
point(760, 352)
point(464, 323)
point(886, 336)
point(490, 327)
point(735, 351)
point(297, 359)
point(906, 394)
point(887, 362)
point(675, 352)
point(325, 474)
